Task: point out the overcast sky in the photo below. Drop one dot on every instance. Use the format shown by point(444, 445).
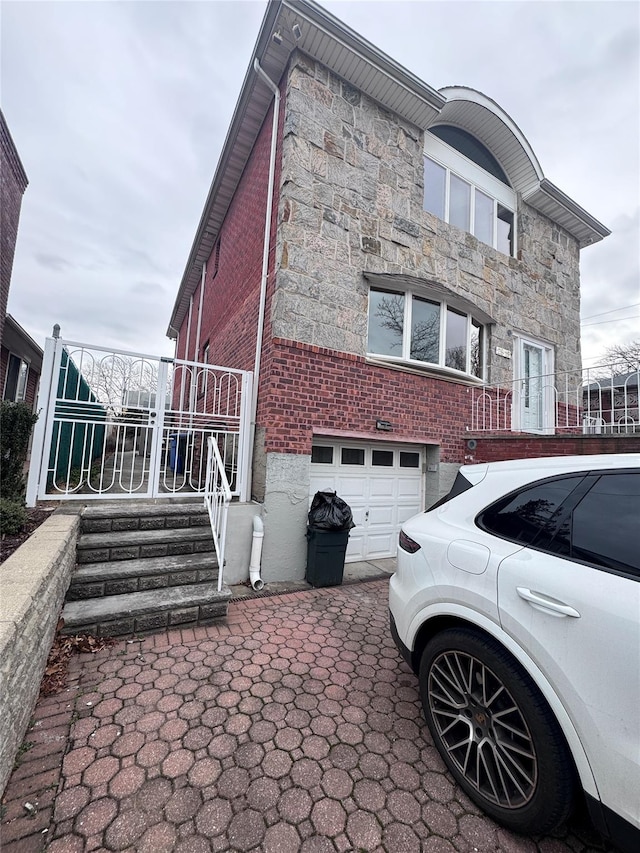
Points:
point(119, 111)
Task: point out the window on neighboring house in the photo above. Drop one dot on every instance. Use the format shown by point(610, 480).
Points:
point(406, 327)
point(465, 186)
point(15, 386)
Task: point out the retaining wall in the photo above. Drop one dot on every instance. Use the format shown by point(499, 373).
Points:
point(33, 584)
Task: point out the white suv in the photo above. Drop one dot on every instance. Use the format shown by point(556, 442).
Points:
point(517, 602)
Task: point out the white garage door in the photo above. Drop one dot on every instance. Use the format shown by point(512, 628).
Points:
point(382, 483)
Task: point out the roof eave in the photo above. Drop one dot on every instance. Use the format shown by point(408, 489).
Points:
point(318, 28)
point(549, 200)
point(320, 35)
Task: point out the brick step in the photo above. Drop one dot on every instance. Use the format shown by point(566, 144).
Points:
point(140, 544)
point(143, 515)
point(143, 612)
point(96, 580)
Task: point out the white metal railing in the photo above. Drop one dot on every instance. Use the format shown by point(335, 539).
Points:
point(122, 424)
point(600, 400)
point(217, 497)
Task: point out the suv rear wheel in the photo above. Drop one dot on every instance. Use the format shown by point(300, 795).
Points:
point(495, 731)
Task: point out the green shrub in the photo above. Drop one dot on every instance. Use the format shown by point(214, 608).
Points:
point(16, 423)
point(13, 517)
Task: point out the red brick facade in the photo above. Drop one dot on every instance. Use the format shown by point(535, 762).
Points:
point(314, 390)
point(497, 448)
point(13, 182)
point(232, 286)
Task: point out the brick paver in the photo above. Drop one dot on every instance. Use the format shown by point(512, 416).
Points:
point(294, 726)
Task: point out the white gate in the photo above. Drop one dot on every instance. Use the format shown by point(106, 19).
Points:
point(118, 424)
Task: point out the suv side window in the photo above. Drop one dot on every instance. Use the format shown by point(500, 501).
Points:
point(531, 512)
point(605, 527)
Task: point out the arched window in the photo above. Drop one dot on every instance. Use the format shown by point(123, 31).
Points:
point(465, 186)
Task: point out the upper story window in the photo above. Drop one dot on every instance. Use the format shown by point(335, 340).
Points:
point(404, 326)
point(465, 186)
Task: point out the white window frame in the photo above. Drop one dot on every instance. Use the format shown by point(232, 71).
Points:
point(21, 386)
point(520, 418)
point(405, 358)
point(456, 163)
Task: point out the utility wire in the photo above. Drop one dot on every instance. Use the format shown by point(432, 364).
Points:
point(602, 313)
point(615, 320)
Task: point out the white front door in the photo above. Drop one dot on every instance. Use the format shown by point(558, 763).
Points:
point(534, 388)
point(382, 483)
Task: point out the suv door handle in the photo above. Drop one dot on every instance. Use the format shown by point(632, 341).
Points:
point(547, 605)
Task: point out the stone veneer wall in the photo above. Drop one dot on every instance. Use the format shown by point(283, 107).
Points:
point(351, 200)
point(34, 583)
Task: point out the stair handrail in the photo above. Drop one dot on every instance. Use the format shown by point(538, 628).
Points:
point(217, 497)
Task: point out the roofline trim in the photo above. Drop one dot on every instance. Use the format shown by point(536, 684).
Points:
point(555, 194)
point(466, 93)
point(367, 51)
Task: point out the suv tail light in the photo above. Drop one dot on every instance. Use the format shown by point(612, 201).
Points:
point(407, 544)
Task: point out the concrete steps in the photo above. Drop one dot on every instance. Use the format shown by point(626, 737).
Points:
point(143, 566)
point(142, 612)
point(95, 580)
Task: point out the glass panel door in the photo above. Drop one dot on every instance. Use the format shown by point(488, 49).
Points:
point(531, 392)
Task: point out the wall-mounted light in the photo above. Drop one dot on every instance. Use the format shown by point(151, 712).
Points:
point(384, 426)
point(276, 38)
point(297, 32)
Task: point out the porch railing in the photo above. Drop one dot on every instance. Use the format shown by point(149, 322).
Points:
point(217, 497)
point(599, 400)
point(119, 424)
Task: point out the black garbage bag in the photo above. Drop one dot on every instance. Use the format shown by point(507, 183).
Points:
point(329, 512)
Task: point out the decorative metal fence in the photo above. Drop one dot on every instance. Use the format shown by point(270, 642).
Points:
point(595, 400)
point(122, 424)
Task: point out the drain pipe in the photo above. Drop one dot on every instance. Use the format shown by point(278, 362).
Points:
point(199, 326)
point(256, 553)
point(265, 263)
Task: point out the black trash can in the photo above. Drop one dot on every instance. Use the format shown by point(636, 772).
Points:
point(325, 556)
point(329, 522)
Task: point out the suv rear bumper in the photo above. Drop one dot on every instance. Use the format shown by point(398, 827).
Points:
point(404, 650)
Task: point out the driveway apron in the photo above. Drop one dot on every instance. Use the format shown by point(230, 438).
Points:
point(294, 726)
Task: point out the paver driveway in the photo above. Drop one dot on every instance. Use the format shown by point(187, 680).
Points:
point(294, 727)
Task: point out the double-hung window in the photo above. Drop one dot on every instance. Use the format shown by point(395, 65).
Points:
point(408, 327)
point(465, 186)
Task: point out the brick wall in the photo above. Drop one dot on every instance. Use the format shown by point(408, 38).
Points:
point(13, 182)
point(232, 291)
point(497, 448)
point(316, 389)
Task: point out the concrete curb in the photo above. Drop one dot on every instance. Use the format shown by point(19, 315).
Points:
point(33, 583)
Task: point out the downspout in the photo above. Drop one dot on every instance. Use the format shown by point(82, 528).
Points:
point(256, 553)
point(199, 326)
point(186, 343)
point(186, 355)
point(265, 264)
